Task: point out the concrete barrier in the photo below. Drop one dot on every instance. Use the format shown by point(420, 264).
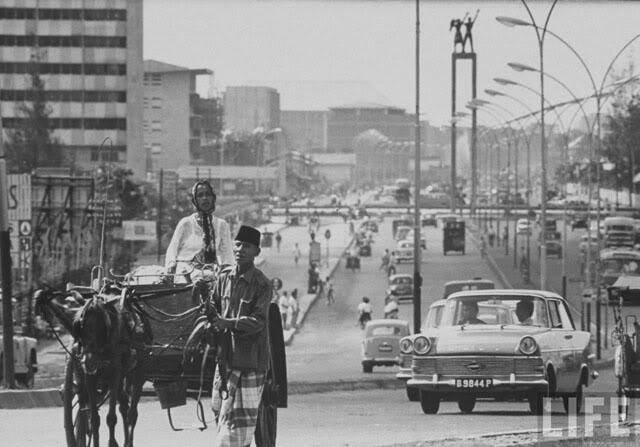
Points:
point(15, 399)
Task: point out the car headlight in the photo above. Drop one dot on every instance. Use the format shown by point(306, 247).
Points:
point(528, 345)
point(406, 346)
point(421, 345)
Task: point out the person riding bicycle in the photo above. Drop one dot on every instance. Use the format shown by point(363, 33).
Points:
point(200, 237)
point(364, 311)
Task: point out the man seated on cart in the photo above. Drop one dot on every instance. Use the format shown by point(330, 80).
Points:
point(242, 296)
point(200, 238)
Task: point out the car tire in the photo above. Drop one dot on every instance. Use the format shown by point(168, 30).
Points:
point(367, 367)
point(413, 394)
point(536, 403)
point(466, 404)
point(430, 402)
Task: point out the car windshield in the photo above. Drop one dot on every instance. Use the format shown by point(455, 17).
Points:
point(459, 287)
point(517, 309)
point(406, 280)
point(387, 330)
point(612, 266)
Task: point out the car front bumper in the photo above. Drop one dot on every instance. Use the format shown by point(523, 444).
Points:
point(502, 385)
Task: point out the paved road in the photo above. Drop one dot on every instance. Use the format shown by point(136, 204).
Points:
point(328, 345)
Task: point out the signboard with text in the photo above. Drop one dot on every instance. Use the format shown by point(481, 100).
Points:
point(139, 230)
point(19, 213)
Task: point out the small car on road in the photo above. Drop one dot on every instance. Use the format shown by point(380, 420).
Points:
point(538, 354)
point(401, 286)
point(523, 226)
point(476, 283)
point(429, 220)
point(24, 355)
point(404, 251)
point(381, 343)
point(554, 248)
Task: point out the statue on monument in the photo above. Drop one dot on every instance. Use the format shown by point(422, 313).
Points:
point(457, 39)
point(467, 32)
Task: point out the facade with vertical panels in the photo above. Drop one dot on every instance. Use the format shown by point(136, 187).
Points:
point(89, 55)
point(173, 130)
point(246, 108)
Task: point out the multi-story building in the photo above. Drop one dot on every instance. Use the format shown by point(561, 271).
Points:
point(348, 121)
point(173, 122)
point(306, 130)
point(247, 108)
point(89, 55)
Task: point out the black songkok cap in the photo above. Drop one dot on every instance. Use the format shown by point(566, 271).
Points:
point(248, 234)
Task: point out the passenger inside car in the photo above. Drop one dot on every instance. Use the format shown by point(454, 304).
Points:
point(469, 313)
point(524, 311)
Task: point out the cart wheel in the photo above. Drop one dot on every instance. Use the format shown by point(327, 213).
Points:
point(76, 415)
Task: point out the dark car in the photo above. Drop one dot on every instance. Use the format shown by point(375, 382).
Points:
point(401, 286)
point(554, 248)
point(429, 220)
point(579, 222)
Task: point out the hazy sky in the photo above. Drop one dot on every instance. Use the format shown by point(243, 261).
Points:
point(374, 41)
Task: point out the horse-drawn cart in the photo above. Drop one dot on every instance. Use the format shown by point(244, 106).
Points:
point(127, 334)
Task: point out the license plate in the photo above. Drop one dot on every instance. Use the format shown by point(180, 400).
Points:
point(385, 348)
point(473, 384)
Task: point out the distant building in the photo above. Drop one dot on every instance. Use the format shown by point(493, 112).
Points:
point(348, 121)
point(247, 108)
point(306, 130)
point(335, 168)
point(379, 160)
point(89, 54)
point(174, 127)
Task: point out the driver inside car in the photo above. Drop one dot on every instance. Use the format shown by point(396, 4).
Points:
point(469, 313)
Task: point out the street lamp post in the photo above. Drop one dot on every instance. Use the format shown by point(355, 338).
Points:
point(540, 34)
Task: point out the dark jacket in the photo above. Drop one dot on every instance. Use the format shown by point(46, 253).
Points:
point(244, 299)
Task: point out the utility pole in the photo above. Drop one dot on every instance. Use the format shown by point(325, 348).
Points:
point(159, 221)
point(5, 271)
point(417, 277)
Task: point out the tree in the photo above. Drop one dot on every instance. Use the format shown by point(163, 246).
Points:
point(31, 143)
point(620, 145)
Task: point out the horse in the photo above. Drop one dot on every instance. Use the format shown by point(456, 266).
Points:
point(109, 350)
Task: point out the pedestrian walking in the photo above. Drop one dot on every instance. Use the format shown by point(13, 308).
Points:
point(296, 254)
point(292, 309)
point(492, 235)
point(328, 285)
point(242, 294)
point(283, 305)
point(386, 257)
point(278, 241)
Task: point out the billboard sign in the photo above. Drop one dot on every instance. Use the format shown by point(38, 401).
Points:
point(139, 230)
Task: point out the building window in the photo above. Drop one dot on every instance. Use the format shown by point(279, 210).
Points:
point(156, 148)
point(156, 103)
point(156, 126)
point(44, 68)
point(75, 123)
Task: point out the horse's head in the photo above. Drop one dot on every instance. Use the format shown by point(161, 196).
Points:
point(43, 298)
point(92, 328)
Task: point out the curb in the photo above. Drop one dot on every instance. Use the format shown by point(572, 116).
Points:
point(50, 397)
point(19, 399)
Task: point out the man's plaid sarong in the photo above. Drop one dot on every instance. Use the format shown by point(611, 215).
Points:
point(237, 415)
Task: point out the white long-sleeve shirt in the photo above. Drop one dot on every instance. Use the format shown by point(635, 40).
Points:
point(187, 242)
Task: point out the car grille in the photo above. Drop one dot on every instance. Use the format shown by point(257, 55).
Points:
point(486, 365)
